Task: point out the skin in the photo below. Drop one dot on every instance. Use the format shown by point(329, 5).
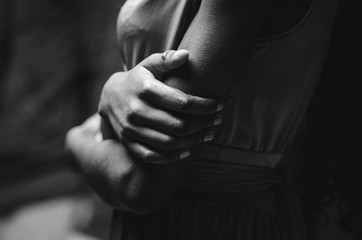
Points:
point(112, 169)
point(220, 35)
point(155, 122)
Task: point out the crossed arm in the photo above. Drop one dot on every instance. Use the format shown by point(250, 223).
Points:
point(219, 41)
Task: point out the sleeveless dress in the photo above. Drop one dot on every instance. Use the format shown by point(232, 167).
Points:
point(241, 186)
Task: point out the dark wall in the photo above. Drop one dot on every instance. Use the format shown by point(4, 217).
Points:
point(54, 58)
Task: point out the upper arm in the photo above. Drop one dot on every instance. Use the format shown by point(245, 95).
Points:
point(219, 40)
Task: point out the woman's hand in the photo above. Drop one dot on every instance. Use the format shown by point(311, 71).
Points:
point(157, 123)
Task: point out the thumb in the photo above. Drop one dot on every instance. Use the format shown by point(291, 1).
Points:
point(161, 63)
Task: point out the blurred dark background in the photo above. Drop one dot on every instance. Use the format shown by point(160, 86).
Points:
point(55, 56)
point(332, 179)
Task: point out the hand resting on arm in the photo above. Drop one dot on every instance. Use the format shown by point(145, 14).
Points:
point(157, 123)
point(111, 168)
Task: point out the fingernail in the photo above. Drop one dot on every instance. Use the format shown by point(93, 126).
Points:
point(164, 55)
point(218, 120)
point(219, 107)
point(209, 136)
point(185, 155)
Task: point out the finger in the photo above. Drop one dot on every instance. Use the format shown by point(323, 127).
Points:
point(160, 64)
point(173, 99)
point(139, 118)
point(147, 154)
point(180, 126)
point(164, 141)
point(169, 123)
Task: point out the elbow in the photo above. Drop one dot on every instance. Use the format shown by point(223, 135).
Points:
point(138, 194)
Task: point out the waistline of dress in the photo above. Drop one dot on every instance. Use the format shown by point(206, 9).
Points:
point(232, 177)
point(219, 153)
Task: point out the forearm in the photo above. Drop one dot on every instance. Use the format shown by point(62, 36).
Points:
point(120, 179)
point(95, 161)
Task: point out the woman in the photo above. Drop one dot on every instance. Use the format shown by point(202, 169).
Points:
point(261, 60)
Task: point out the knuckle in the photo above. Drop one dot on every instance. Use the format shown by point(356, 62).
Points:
point(126, 129)
point(147, 156)
point(134, 112)
point(167, 142)
point(182, 102)
point(152, 60)
point(146, 88)
point(155, 58)
point(179, 128)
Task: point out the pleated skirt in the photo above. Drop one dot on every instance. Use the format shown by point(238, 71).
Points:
point(221, 201)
